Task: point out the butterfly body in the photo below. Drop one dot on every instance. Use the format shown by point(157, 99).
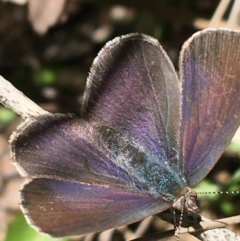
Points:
point(149, 171)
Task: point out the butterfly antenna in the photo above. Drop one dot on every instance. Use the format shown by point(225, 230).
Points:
point(219, 192)
point(178, 227)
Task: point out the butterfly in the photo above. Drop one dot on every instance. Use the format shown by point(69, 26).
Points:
point(143, 136)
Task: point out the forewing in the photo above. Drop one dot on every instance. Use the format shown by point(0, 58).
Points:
point(65, 147)
point(133, 89)
point(63, 208)
point(210, 74)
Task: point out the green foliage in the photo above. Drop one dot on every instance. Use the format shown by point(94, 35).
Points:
point(206, 186)
point(234, 147)
point(224, 203)
point(6, 115)
point(227, 207)
point(147, 24)
point(45, 76)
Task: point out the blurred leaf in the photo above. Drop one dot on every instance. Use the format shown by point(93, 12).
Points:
point(20, 230)
point(45, 76)
point(235, 177)
point(147, 24)
point(6, 115)
point(234, 147)
point(228, 208)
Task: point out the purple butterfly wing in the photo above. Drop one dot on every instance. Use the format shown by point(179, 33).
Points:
point(63, 146)
point(125, 145)
point(78, 185)
point(210, 74)
point(133, 88)
point(132, 92)
point(62, 208)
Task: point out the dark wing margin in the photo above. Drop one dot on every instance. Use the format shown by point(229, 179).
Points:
point(133, 88)
point(210, 75)
point(63, 208)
